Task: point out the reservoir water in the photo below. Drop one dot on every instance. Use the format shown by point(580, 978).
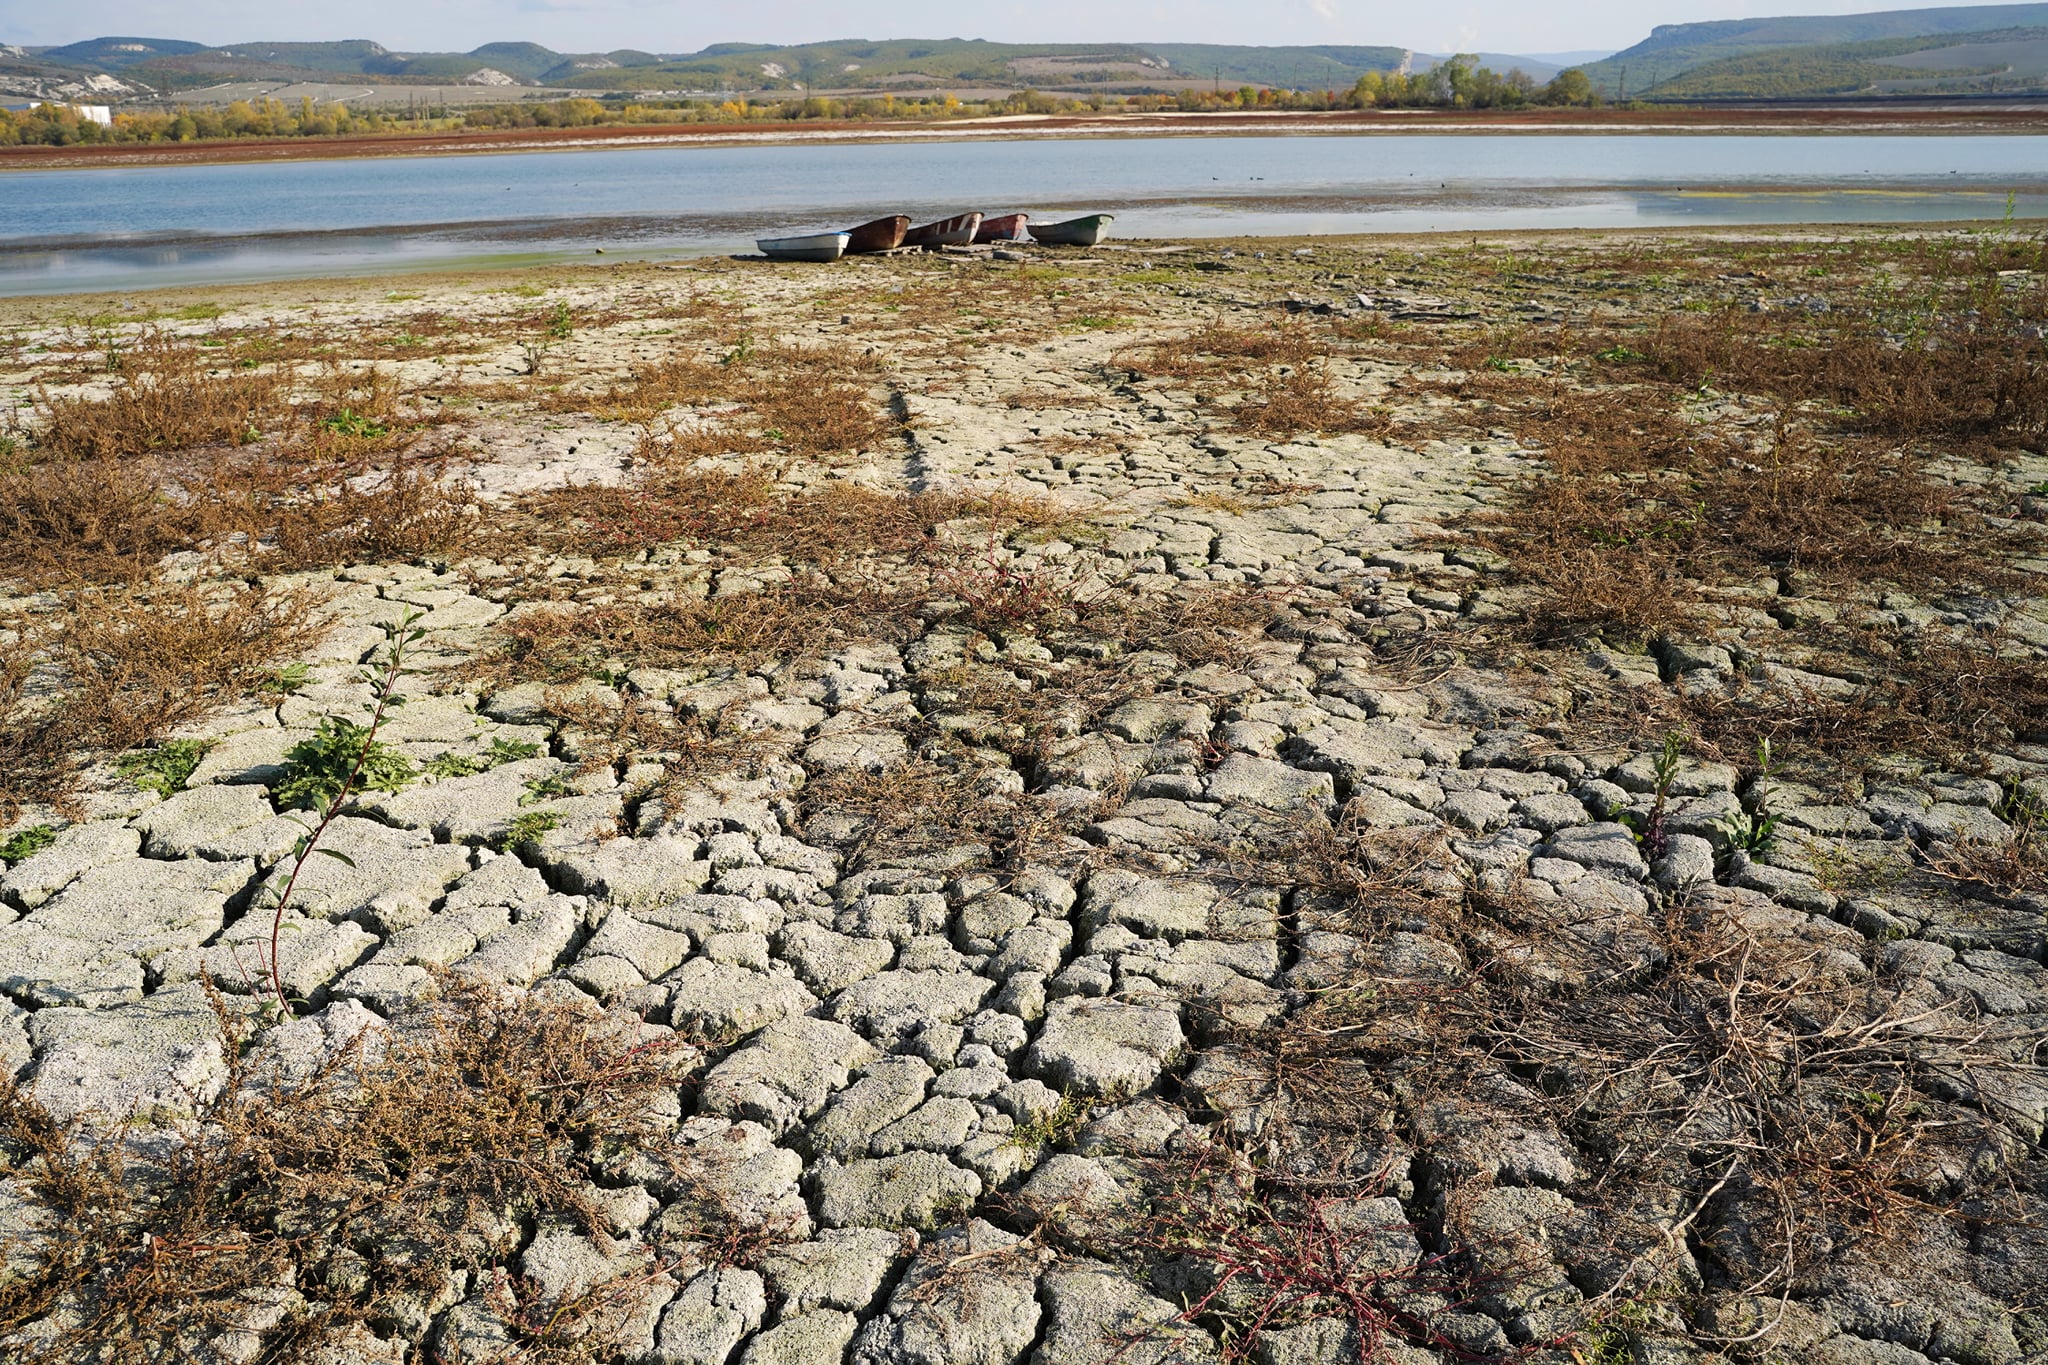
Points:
point(136, 227)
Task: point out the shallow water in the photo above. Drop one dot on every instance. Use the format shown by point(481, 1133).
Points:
point(137, 227)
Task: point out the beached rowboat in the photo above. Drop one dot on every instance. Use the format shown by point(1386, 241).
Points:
point(958, 230)
point(884, 234)
point(819, 246)
point(1008, 227)
point(1074, 231)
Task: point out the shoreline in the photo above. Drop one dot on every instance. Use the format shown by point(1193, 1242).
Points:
point(31, 309)
point(2008, 121)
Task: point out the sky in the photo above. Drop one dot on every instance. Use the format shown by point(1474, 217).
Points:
point(685, 25)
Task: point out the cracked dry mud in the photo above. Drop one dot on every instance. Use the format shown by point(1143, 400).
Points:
point(1341, 980)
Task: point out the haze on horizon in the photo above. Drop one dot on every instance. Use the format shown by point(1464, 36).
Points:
point(603, 25)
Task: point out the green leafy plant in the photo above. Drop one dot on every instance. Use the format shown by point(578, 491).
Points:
point(1755, 829)
point(24, 844)
point(342, 755)
point(1648, 827)
point(1622, 355)
point(525, 829)
point(544, 789)
point(349, 422)
point(454, 765)
point(1500, 365)
point(742, 351)
point(341, 759)
point(501, 750)
point(164, 769)
point(561, 322)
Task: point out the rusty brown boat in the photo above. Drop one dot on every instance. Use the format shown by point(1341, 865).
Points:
point(884, 234)
point(1007, 227)
point(958, 230)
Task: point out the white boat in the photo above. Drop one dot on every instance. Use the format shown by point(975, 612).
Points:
point(819, 246)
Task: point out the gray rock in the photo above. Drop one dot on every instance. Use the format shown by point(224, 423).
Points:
point(86, 945)
point(1105, 1047)
point(1039, 947)
point(739, 948)
point(1688, 861)
point(1073, 1191)
point(1603, 847)
point(310, 954)
point(565, 1263)
point(639, 874)
point(841, 1268)
point(1095, 1314)
point(970, 1082)
point(386, 987)
point(530, 948)
point(1551, 813)
point(1147, 905)
point(940, 1124)
point(1027, 1101)
point(786, 1073)
point(496, 880)
point(917, 1190)
point(149, 1059)
point(223, 823)
point(1269, 783)
point(727, 1176)
point(721, 1001)
point(889, 1089)
point(392, 876)
point(891, 1005)
point(897, 918)
point(716, 1310)
point(948, 1313)
point(469, 810)
point(77, 849)
point(1475, 810)
point(1001, 1033)
point(805, 1339)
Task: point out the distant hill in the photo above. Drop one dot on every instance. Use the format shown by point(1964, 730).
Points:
point(1671, 50)
point(1965, 49)
point(904, 65)
point(1943, 63)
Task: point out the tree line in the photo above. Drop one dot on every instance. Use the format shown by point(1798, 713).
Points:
point(1460, 83)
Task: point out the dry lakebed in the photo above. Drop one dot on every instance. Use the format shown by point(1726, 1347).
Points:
point(1296, 802)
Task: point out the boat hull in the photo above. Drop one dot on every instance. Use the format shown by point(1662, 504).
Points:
point(883, 234)
point(1007, 228)
point(958, 230)
point(1074, 231)
point(818, 246)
